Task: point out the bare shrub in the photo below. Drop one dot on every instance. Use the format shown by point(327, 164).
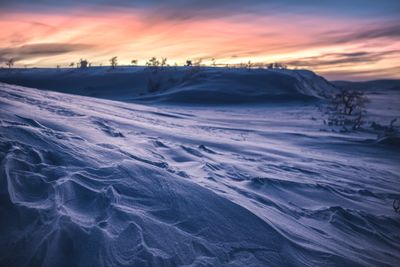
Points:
point(347, 109)
point(213, 63)
point(163, 62)
point(153, 62)
point(384, 131)
point(10, 63)
point(83, 64)
point(276, 65)
point(114, 62)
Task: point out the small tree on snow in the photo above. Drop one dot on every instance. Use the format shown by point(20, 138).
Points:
point(114, 62)
point(213, 62)
point(10, 62)
point(163, 62)
point(276, 65)
point(348, 109)
point(249, 65)
point(83, 64)
point(348, 102)
point(153, 62)
point(386, 131)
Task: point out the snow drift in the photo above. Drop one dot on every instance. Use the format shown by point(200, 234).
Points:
point(177, 84)
point(91, 182)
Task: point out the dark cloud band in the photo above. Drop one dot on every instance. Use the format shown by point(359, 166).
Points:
point(39, 50)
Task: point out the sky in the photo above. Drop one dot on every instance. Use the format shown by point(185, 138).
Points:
point(341, 40)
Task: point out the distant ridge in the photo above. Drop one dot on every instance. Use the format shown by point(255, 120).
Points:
point(386, 84)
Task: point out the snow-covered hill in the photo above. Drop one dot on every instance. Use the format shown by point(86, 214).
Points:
point(91, 182)
point(177, 84)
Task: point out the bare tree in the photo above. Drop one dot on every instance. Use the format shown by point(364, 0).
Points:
point(276, 65)
point(72, 64)
point(10, 62)
point(83, 63)
point(213, 62)
point(163, 62)
point(249, 65)
point(114, 62)
point(347, 109)
point(349, 101)
point(386, 131)
point(134, 62)
point(153, 62)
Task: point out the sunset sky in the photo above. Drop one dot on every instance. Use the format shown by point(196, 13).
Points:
point(354, 40)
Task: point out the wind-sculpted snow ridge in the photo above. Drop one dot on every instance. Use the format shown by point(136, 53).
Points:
point(90, 182)
point(203, 85)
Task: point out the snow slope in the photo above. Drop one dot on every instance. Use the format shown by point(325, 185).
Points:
point(226, 86)
point(176, 84)
point(91, 182)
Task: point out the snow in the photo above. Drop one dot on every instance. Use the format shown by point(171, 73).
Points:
point(95, 182)
point(176, 84)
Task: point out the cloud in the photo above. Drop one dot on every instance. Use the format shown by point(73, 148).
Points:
point(389, 30)
point(360, 75)
point(39, 50)
point(335, 59)
point(182, 9)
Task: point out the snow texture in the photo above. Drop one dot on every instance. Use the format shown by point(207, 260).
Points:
point(94, 182)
